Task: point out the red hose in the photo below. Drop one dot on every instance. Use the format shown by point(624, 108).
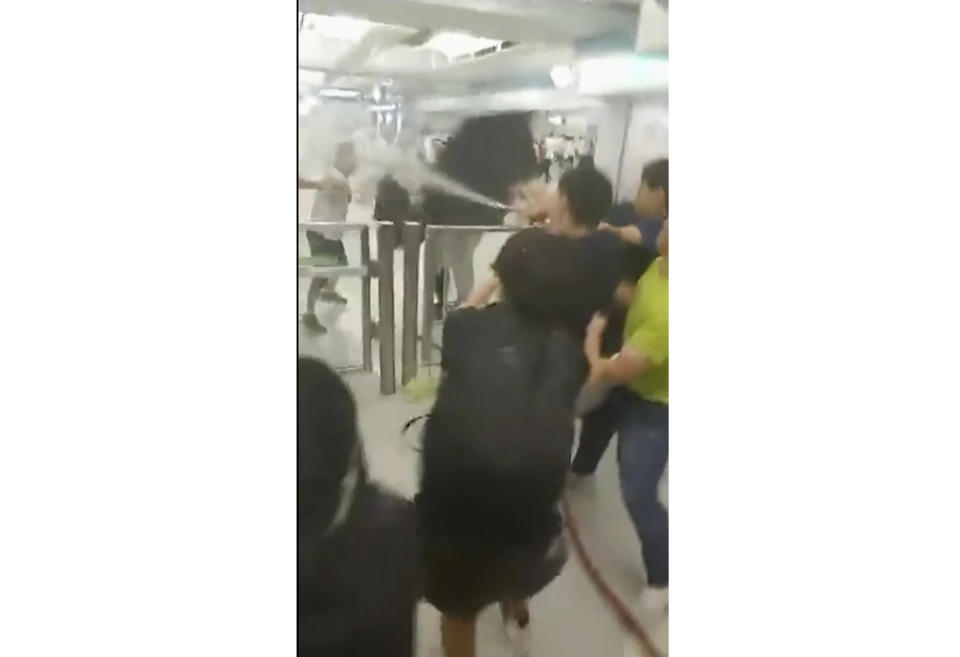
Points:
point(625, 617)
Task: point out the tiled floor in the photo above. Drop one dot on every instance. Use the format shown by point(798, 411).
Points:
point(569, 618)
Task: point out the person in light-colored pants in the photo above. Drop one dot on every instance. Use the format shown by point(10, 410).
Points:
point(453, 250)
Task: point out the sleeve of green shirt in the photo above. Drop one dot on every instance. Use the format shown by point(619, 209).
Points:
point(651, 339)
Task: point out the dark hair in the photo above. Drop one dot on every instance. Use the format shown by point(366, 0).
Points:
point(655, 176)
point(545, 279)
point(588, 193)
point(327, 439)
point(488, 154)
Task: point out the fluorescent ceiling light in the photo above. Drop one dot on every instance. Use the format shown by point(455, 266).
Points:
point(562, 76)
point(341, 28)
point(457, 44)
point(333, 92)
point(507, 101)
point(382, 108)
point(309, 77)
point(626, 73)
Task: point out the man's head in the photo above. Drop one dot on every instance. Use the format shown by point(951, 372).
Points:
point(652, 198)
point(544, 279)
point(328, 449)
point(584, 199)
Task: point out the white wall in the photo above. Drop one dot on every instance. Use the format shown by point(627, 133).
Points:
point(630, 134)
point(647, 139)
point(611, 123)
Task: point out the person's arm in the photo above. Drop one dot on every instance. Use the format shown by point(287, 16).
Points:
point(628, 233)
point(480, 296)
point(303, 183)
point(323, 184)
point(623, 367)
point(619, 368)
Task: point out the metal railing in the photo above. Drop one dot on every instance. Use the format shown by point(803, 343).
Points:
point(382, 268)
point(412, 289)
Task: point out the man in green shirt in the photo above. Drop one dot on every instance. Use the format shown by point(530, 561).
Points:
point(641, 369)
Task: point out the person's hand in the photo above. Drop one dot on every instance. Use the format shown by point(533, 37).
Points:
point(597, 325)
point(591, 343)
point(631, 234)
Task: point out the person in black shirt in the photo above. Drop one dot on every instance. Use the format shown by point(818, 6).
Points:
point(581, 201)
point(639, 222)
point(496, 446)
point(358, 573)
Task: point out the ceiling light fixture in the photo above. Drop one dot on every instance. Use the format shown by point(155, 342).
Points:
point(562, 76)
point(458, 44)
point(342, 28)
point(333, 92)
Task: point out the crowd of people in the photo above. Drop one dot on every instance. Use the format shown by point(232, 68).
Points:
point(573, 320)
point(490, 152)
point(557, 154)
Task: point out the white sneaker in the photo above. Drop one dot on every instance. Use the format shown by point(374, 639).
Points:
point(654, 601)
point(652, 612)
point(520, 638)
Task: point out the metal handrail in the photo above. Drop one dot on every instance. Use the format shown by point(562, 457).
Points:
point(348, 225)
point(365, 271)
point(382, 269)
point(475, 229)
point(310, 269)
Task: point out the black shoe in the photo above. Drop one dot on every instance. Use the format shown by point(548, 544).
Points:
point(311, 322)
point(331, 296)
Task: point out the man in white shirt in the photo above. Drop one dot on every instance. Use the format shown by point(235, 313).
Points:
point(331, 197)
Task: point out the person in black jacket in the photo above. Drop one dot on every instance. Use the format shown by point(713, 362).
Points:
point(358, 573)
point(496, 446)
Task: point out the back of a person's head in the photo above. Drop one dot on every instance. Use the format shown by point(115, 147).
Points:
point(588, 195)
point(327, 441)
point(544, 278)
point(655, 176)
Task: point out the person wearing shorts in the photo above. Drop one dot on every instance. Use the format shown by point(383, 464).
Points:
point(488, 518)
point(331, 199)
